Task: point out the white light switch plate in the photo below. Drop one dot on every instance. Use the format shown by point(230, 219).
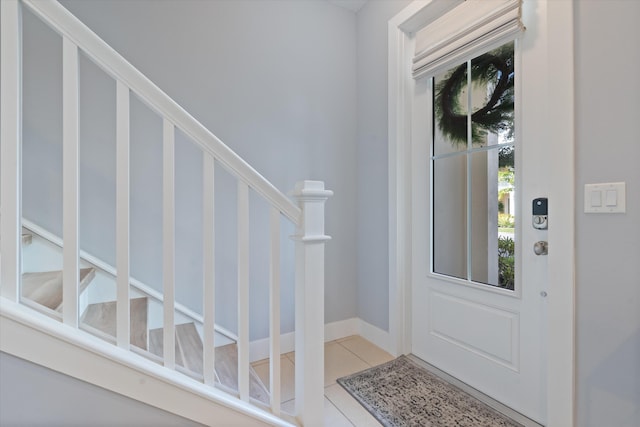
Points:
point(605, 198)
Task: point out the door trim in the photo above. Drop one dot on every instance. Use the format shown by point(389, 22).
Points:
point(560, 320)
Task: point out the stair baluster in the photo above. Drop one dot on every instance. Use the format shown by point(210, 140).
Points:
point(243, 290)
point(122, 215)
point(70, 182)
point(274, 310)
point(168, 241)
point(209, 276)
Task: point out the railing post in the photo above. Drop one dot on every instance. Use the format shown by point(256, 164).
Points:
point(274, 309)
point(169, 242)
point(309, 297)
point(70, 182)
point(209, 268)
point(11, 148)
point(243, 291)
point(123, 262)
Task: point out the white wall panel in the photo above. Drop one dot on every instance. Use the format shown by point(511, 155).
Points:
point(456, 320)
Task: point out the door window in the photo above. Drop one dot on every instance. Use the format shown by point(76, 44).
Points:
point(473, 168)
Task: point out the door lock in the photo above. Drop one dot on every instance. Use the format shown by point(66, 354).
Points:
point(541, 248)
point(539, 211)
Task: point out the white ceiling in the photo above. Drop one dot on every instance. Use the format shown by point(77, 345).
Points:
point(353, 5)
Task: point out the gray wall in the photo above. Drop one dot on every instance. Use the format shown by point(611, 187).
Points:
point(373, 197)
point(608, 246)
point(31, 395)
point(275, 80)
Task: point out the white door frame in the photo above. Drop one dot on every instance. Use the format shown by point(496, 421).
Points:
point(560, 321)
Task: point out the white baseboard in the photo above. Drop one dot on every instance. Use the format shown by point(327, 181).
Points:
point(259, 349)
point(356, 326)
point(377, 336)
point(341, 329)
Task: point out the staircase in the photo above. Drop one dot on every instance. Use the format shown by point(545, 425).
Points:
point(47, 316)
point(43, 290)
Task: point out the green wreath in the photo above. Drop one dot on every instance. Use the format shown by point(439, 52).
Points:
point(497, 115)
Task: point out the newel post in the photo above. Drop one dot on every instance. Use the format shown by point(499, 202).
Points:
point(309, 296)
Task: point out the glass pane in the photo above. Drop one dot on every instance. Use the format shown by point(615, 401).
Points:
point(492, 96)
point(506, 217)
point(484, 217)
point(483, 231)
point(451, 108)
point(450, 216)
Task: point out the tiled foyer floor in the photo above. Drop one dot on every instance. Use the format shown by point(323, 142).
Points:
point(342, 357)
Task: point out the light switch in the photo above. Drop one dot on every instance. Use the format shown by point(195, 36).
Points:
point(605, 198)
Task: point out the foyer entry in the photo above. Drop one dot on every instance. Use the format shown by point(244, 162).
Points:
point(475, 130)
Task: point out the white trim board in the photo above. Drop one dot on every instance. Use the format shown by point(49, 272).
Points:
point(356, 326)
point(560, 325)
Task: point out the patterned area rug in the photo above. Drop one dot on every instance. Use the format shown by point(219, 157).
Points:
point(400, 393)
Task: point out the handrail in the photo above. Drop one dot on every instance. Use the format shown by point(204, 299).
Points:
point(65, 23)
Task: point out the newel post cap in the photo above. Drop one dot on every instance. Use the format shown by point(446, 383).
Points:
point(311, 197)
point(310, 190)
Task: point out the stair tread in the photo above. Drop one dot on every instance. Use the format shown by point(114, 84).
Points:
point(227, 369)
point(191, 347)
point(156, 343)
point(189, 355)
point(102, 316)
point(45, 287)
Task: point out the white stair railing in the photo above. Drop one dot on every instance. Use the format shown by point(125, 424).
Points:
point(307, 216)
point(123, 315)
point(70, 181)
point(309, 335)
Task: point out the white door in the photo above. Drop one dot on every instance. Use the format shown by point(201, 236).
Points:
point(478, 288)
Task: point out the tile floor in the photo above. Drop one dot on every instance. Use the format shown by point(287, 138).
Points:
point(342, 357)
